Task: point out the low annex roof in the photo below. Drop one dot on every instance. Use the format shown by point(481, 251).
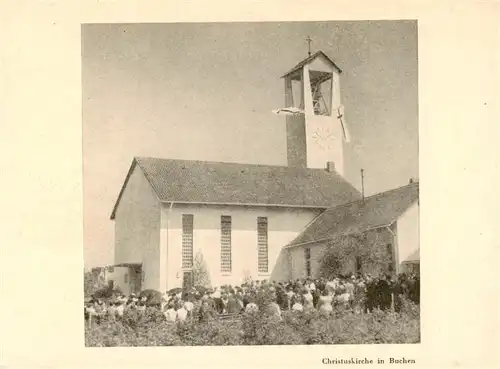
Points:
point(191, 181)
point(375, 211)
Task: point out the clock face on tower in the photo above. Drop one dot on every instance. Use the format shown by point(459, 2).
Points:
point(323, 137)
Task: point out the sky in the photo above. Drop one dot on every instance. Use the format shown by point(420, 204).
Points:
point(205, 91)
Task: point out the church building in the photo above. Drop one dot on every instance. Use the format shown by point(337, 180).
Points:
point(246, 221)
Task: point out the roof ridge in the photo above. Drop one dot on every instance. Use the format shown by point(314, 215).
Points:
point(374, 195)
point(319, 170)
point(257, 184)
point(333, 217)
point(394, 189)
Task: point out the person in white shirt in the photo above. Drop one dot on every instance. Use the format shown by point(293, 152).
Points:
point(165, 299)
point(181, 313)
point(189, 306)
point(344, 297)
point(170, 314)
point(312, 287)
point(120, 308)
point(331, 284)
point(308, 299)
point(274, 309)
point(101, 308)
point(325, 302)
point(251, 308)
point(91, 312)
point(216, 293)
point(297, 304)
point(349, 286)
point(141, 307)
point(112, 309)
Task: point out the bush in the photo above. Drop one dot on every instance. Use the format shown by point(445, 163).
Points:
point(153, 297)
point(211, 333)
point(107, 292)
point(91, 283)
point(201, 274)
point(293, 328)
point(342, 252)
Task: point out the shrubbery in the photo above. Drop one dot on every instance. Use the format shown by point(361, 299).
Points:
point(306, 328)
point(107, 292)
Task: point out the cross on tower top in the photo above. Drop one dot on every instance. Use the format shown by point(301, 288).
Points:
point(309, 40)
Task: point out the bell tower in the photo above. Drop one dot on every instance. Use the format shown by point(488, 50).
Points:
point(314, 115)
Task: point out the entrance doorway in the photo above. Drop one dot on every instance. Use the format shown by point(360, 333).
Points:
point(187, 280)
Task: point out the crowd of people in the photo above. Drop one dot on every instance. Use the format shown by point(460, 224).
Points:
point(362, 293)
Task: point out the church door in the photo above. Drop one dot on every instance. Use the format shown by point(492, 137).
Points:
point(187, 280)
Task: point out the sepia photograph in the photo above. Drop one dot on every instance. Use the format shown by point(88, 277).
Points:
point(251, 183)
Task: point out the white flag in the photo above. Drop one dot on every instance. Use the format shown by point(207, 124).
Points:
point(288, 111)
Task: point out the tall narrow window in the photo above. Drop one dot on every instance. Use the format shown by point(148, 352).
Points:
point(307, 258)
point(187, 241)
point(262, 245)
point(225, 244)
point(359, 264)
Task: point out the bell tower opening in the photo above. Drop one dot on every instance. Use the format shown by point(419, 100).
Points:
point(321, 89)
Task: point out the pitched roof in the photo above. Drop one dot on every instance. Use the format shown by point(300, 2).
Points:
point(189, 181)
point(358, 216)
point(310, 59)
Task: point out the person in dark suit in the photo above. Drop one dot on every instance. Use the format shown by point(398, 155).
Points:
point(320, 284)
point(384, 293)
point(233, 306)
point(246, 299)
point(218, 305)
point(280, 296)
point(206, 312)
point(316, 295)
point(415, 289)
point(372, 301)
point(398, 293)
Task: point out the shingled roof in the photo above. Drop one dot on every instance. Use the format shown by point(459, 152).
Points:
point(378, 210)
point(189, 181)
point(310, 59)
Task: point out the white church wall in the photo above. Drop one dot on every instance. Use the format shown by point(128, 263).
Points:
point(297, 268)
point(317, 252)
point(324, 141)
point(298, 260)
point(408, 232)
point(137, 228)
point(283, 225)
